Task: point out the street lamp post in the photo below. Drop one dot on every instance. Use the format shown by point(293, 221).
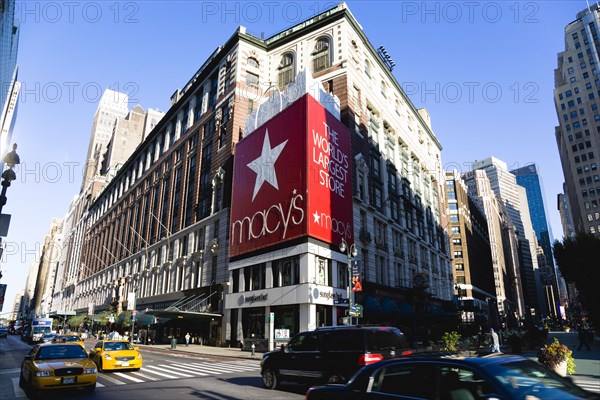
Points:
point(350, 251)
point(11, 159)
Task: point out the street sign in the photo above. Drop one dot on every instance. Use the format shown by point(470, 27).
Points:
point(356, 311)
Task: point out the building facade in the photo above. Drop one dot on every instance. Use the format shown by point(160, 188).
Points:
point(113, 107)
point(576, 94)
point(529, 178)
point(9, 87)
point(160, 228)
point(472, 263)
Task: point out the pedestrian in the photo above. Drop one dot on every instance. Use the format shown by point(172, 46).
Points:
point(582, 334)
point(187, 339)
point(495, 348)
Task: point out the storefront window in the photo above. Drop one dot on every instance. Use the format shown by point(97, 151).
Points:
point(287, 317)
point(323, 271)
point(253, 322)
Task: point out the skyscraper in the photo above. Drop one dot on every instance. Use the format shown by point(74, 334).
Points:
point(529, 178)
point(504, 185)
point(576, 98)
point(113, 106)
point(9, 87)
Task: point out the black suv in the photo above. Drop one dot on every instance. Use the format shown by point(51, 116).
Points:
point(331, 354)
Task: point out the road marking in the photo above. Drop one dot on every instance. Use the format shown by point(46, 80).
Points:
point(144, 376)
point(18, 391)
point(174, 369)
point(587, 384)
point(212, 367)
point(10, 371)
point(131, 378)
point(98, 384)
point(151, 369)
point(189, 368)
point(110, 379)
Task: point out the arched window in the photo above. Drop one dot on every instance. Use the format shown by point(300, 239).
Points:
point(321, 55)
point(252, 62)
point(286, 69)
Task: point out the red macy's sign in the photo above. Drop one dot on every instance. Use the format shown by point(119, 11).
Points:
point(292, 178)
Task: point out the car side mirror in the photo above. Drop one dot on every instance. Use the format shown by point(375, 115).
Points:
point(98, 349)
point(136, 348)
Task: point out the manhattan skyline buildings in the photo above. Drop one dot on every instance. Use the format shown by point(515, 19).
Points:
point(576, 97)
point(451, 119)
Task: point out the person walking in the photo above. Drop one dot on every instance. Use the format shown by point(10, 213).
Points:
point(187, 339)
point(495, 348)
point(582, 334)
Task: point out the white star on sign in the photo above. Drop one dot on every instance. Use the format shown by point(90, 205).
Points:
point(264, 166)
point(316, 216)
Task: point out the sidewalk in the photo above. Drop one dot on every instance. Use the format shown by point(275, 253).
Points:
point(202, 349)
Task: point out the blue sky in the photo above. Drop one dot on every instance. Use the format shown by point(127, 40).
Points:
point(484, 70)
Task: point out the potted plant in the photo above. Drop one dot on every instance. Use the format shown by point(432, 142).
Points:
point(451, 340)
point(557, 357)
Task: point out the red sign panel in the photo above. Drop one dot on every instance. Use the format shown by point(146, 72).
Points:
point(292, 178)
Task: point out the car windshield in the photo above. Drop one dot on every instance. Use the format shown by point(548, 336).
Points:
point(110, 346)
point(59, 352)
point(527, 378)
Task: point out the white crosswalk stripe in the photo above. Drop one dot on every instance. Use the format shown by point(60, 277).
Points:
point(588, 384)
point(150, 378)
point(191, 368)
point(126, 376)
point(174, 370)
point(224, 369)
point(158, 370)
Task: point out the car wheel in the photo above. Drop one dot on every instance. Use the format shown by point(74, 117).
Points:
point(21, 382)
point(30, 390)
point(336, 379)
point(90, 389)
point(270, 379)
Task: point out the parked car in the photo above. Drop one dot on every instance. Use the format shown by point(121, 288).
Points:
point(331, 354)
point(3, 332)
point(498, 377)
point(116, 354)
point(51, 366)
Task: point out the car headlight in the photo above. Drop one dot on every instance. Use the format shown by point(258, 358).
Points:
point(107, 357)
point(43, 373)
point(89, 370)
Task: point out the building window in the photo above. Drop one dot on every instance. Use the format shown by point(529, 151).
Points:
point(254, 277)
point(321, 55)
point(286, 69)
point(252, 80)
point(286, 272)
point(367, 68)
point(323, 271)
point(252, 62)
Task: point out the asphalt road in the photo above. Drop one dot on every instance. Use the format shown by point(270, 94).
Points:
point(164, 376)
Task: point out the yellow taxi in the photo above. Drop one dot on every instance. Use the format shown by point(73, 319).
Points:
point(52, 366)
point(68, 339)
point(116, 354)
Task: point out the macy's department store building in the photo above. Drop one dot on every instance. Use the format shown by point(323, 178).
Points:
point(292, 209)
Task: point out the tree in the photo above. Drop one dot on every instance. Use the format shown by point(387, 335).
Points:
point(76, 321)
point(577, 261)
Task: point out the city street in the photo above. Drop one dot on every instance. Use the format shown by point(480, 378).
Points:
point(164, 375)
point(201, 372)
